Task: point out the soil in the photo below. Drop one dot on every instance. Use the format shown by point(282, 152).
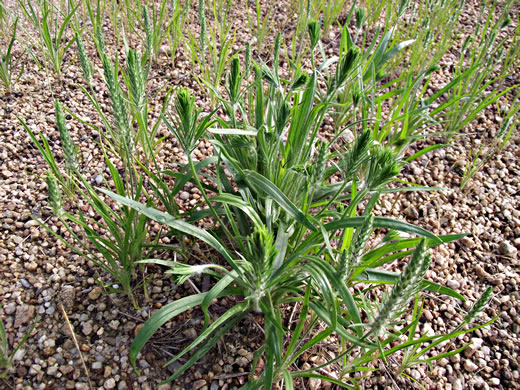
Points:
point(82, 338)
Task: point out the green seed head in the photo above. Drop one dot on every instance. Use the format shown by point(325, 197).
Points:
point(383, 165)
point(261, 252)
point(86, 66)
point(479, 305)
point(69, 151)
point(345, 65)
point(507, 22)
point(137, 79)
point(299, 81)
point(184, 103)
point(54, 194)
point(100, 39)
point(407, 286)
point(234, 80)
point(320, 163)
point(277, 43)
point(357, 155)
point(313, 28)
point(148, 31)
point(202, 20)
point(360, 17)
point(126, 139)
point(359, 243)
point(248, 60)
point(356, 97)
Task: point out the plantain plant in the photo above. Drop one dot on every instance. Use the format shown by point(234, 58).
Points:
point(290, 235)
point(211, 52)
point(6, 357)
point(51, 25)
point(9, 74)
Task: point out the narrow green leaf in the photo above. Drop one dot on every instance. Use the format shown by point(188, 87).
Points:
point(382, 222)
point(387, 277)
point(274, 192)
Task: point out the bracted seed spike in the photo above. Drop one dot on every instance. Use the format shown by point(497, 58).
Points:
point(360, 17)
point(100, 39)
point(55, 199)
point(342, 267)
point(148, 32)
point(479, 305)
point(86, 66)
point(321, 161)
point(69, 151)
point(125, 140)
point(407, 286)
point(313, 28)
point(300, 81)
point(202, 20)
point(359, 243)
point(137, 79)
point(247, 62)
point(235, 78)
point(357, 155)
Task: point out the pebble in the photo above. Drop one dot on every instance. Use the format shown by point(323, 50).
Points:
point(31, 266)
point(68, 296)
point(94, 293)
point(30, 223)
point(114, 324)
point(453, 284)
point(467, 242)
point(52, 370)
point(86, 328)
point(66, 370)
point(109, 383)
point(199, 384)
point(10, 308)
point(24, 314)
point(469, 366)
point(507, 249)
point(242, 361)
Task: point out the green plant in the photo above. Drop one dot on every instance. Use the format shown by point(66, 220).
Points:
point(125, 240)
point(50, 32)
point(180, 14)
point(287, 235)
point(130, 133)
point(297, 48)
point(157, 27)
point(6, 358)
point(434, 33)
point(330, 10)
point(3, 15)
point(211, 53)
point(260, 27)
point(485, 153)
point(8, 65)
point(114, 241)
point(472, 89)
point(66, 179)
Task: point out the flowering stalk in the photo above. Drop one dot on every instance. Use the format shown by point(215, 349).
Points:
point(407, 286)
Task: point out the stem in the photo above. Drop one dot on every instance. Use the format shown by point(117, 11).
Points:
point(205, 196)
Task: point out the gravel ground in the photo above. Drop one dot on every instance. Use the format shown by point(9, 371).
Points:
point(39, 276)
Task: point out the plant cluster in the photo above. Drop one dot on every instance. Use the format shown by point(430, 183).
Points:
point(289, 237)
point(290, 209)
